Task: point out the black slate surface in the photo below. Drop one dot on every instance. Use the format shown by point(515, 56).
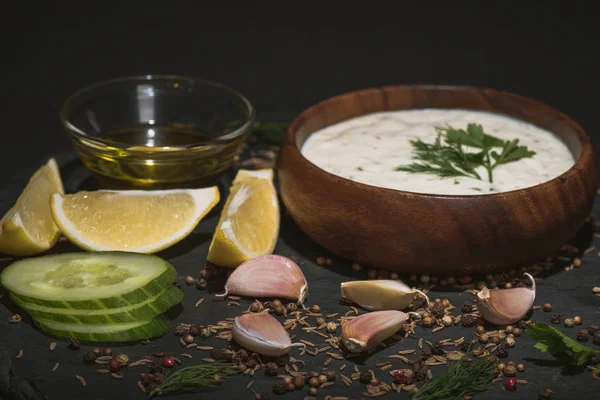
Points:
point(285, 60)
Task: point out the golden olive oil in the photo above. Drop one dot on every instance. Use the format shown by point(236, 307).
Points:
point(159, 157)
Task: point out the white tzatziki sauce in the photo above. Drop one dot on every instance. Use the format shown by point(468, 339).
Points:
point(369, 148)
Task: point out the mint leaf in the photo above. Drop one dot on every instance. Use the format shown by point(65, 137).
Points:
point(553, 341)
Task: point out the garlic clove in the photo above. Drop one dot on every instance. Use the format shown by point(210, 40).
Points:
point(505, 306)
point(268, 276)
point(382, 294)
point(366, 331)
point(263, 334)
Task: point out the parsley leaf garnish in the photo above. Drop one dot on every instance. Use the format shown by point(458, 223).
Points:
point(553, 341)
point(447, 157)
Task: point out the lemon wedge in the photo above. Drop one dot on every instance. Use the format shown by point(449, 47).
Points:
point(28, 227)
point(131, 220)
point(249, 223)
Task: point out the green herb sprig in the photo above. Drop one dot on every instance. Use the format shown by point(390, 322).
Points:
point(465, 377)
point(447, 157)
point(555, 342)
point(193, 377)
point(272, 132)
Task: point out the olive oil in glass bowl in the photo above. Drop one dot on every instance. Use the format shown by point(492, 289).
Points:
point(157, 131)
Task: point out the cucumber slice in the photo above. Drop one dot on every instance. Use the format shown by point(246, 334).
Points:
point(144, 311)
point(88, 281)
point(125, 332)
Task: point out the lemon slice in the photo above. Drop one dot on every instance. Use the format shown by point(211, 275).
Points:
point(28, 227)
point(131, 220)
point(249, 223)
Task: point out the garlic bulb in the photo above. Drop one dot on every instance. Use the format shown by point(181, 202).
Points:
point(383, 294)
point(505, 306)
point(263, 334)
point(366, 331)
point(268, 276)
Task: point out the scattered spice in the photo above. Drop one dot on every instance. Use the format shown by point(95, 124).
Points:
point(74, 344)
point(89, 358)
point(81, 380)
point(55, 367)
point(189, 280)
point(107, 352)
point(510, 384)
point(52, 346)
point(577, 320)
point(545, 394)
point(547, 307)
point(569, 323)
point(556, 318)
point(15, 319)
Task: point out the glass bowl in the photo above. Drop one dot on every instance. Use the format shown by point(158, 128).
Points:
point(157, 131)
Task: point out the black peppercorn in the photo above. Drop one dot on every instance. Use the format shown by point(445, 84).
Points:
point(97, 351)
point(201, 284)
point(291, 307)
point(195, 330)
point(466, 308)
point(502, 351)
point(89, 357)
point(74, 344)
point(556, 318)
point(593, 329)
point(242, 355)
point(596, 338)
point(426, 353)
point(469, 320)
point(437, 310)
point(583, 335)
point(298, 382)
point(545, 394)
point(365, 377)
point(155, 367)
point(271, 369)
point(523, 324)
point(437, 349)
point(251, 363)
point(280, 387)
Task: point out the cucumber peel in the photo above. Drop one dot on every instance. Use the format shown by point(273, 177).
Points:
point(123, 332)
point(144, 311)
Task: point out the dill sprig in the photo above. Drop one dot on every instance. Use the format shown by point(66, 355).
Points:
point(465, 377)
point(447, 156)
point(193, 377)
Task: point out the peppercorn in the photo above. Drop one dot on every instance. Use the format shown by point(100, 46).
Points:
point(547, 307)
point(469, 320)
point(464, 346)
point(279, 387)
point(523, 324)
point(438, 310)
point(271, 368)
point(189, 280)
point(331, 327)
point(480, 329)
point(593, 329)
point(577, 320)
point(511, 364)
point(168, 362)
point(322, 379)
point(446, 303)
point(201, 284)
point(437, 349)
point(583, 335)
point(123, 359)
point(496, 339)
point(114, 366)
point(278, 310)
point(478, 351)
point(298, 382)
point(596, 338)
point(291, 307)
point(502, 351)
point(314, 381)
point(365, 377)
point(188, 339)
point(501, 367)
point(426, 353)
point(556, 317)
point(517, 332)
point(520, 368)
point(427, 322)
point(315, 309)
point(545, 394)
point(466, 308)
point(569, 323)
point(74, 344)
point(97, 351)
point(510, 371)
point(107, 352)
point(89, 358)
point(510, 342)
point(424, 314)
point(510, 384)
point(205, 332)
point(483, 338)
point(312, 391)
point(447, 320)
point(509, 329)
point(330, 375)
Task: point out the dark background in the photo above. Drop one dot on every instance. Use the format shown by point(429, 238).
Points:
point(285, 58)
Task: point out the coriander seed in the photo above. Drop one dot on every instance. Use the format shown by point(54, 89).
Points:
point(509, 329)
point(97, 351)
point(189, 280)
point(89, 358)
point(480, 329)
point(331, 327)
point(517, 332)
point(322, 379)
point(501, 367)
point(520, 368)
point(188, 339)
point(320, 321)
point(483, 338)
point(447, 320)
point(510, 342)
point(315, 309)
point(545, 394)
point(583, 335)
point(577, 320)
point(427, 322)
point(256, 306)
point(509, 371)
point(314, 382)
point(123, 359)
point(547, 307)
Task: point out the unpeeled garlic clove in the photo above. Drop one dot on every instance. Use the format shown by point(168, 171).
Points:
point(505, 306)
point(263, 334)
point(268, 276)
point(366, 331)
point(382, 294)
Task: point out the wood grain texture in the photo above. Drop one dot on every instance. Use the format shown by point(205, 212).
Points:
point(440, 234)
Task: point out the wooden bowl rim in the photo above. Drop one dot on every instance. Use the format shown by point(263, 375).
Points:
point(587, 150)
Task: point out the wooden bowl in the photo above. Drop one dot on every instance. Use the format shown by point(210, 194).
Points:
point(429, 233)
